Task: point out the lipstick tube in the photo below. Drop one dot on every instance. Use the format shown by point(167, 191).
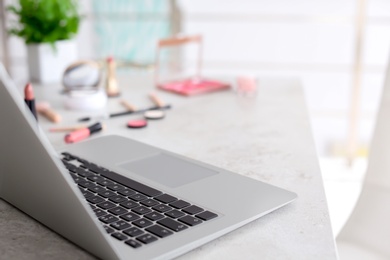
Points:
point(111, 82)
point(29, 99)
point(83, 133)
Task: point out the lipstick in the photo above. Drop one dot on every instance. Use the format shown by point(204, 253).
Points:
point(83, 133)
point(111, 82)
point(29, 99)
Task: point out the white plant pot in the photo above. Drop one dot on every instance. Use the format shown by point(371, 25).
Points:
point(46, 65)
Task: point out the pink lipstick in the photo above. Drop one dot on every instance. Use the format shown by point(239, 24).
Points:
point(83, 133)
point(29, 99)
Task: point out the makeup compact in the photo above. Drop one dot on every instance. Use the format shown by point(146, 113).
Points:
point(175, 76)
point(81, 82)
point(137, 123)
point(154, 114)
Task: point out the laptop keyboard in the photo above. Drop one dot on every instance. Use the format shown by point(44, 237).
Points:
point(131, 211)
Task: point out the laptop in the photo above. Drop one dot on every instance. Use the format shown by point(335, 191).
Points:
point(119, 198)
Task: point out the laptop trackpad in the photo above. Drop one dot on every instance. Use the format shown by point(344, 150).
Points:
point(168, 170)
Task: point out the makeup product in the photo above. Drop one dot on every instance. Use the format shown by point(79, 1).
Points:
point(85, 100)
point(111, 82)
point(29, 99)
point(128, 106)
point(138, 123)
point(83, 133)
point(66, 129)
point(156, 100)
point(185, 82)
point(189, 87)
point(140, 111)
point(246, 85)
point(44, 109)
point(82, 75)
point(154, 114)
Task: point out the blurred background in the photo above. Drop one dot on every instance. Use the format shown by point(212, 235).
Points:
point(338, 48)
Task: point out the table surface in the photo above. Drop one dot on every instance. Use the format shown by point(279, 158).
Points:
point(266, 137)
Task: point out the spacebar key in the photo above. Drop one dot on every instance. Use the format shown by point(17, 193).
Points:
point(148, 191)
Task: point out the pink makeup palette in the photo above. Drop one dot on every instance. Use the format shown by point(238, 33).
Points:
point(193, 83)
point(190, 87)
point(138, 123)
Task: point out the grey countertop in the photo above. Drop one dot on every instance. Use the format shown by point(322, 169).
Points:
point(266, 137)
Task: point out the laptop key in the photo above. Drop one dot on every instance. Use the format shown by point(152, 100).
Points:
point(118, 211)
point(106, 205)
point(116, 187)
point(138, 197)
point(86, 184)
point(207, 215)
point(126, 192)
point(172, 224)
point(95, 178)
point(148, 191)
point(99, 212)
point(105, 182)
point(192, 210)
point(78, 179)
point(108, 229)
point(154, 216)
point(133, 244)
point(149, 203)
point(179, 204)
point(83, 172)
point(95, 199)
point(87, 194)
point(162, 208)
point(67, 157)
point(147, 239)
point(71, 168)
point(165, 198)
point(120, 225)
point(174, 214)
point(93, 167)
point(191, 221)
point(96, 188)
point(133, 232)
point(130, 216)
point(129, 204)
point(141, 210)
point(142, 223)
point(108, 219)
point(159, 231)
point(119, 236)
point(117, 198)
point(106, 193)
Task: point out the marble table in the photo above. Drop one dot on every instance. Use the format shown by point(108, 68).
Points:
point(266, 137)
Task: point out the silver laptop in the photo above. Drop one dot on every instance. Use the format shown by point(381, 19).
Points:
point(118, 198)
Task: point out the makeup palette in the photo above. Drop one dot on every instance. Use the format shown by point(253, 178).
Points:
point(138, 123)
point(179, 79)
point(190, 87)
point(154, 114)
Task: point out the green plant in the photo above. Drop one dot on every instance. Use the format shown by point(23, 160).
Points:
point(45, 21)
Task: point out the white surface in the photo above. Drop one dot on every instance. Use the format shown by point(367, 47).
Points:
point(266, 138)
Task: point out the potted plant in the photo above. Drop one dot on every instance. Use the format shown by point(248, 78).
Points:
point(48, 28)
